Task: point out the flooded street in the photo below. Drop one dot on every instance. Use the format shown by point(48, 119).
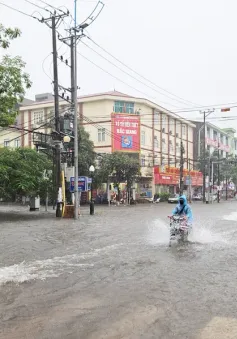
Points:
point(113, 275)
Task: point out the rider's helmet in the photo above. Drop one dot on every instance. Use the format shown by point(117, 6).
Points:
point(181, 201)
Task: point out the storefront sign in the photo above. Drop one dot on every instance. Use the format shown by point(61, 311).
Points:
point(172, 177)
point(125, 132)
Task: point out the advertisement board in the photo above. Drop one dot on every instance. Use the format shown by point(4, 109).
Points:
point(171, 176)
point(82, 184)
point(125, 132)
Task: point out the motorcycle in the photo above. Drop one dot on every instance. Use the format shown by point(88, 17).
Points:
point(179, 229)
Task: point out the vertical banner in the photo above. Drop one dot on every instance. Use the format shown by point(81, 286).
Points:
point(125, 132)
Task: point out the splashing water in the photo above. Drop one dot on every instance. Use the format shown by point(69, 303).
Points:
point(230, 217)
point(49, 268)
point(202, 233)
point(158, 232)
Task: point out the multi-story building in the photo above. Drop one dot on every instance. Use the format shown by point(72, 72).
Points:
point(107, 115)
point(215, 138)
point(11, 137)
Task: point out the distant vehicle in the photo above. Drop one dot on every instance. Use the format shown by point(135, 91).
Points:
point(197, 197)
point(173, 199)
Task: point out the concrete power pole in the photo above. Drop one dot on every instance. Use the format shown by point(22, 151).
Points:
point(52, 23)
point(181, 181)
point(205, 115)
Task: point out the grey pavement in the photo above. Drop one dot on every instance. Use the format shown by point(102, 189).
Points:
point(112, 275)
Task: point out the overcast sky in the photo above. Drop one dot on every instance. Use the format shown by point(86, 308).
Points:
point(186, 47)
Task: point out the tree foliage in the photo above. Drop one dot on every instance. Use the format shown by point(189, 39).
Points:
point(86, 154)
point(13, 79)
point(23, 172)
point(121, 167)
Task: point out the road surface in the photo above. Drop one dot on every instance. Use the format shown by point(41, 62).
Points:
point(113, 275)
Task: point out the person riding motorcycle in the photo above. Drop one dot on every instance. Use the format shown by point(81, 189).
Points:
point(183, 209)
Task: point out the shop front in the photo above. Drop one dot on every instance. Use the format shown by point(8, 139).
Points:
point(167, 179)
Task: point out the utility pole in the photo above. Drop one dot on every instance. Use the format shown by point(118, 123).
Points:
point(52, 23)
point(181, 183)
point(57, 122)
point(189, 182)
point(74, 95)
point(218, 173)
point(205, 115)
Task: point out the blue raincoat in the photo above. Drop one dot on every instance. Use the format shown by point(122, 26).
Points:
point(184, 209)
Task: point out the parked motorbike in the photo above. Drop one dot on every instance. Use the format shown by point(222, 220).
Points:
point(179, 229)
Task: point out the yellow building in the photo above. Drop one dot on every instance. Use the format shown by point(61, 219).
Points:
point(10, 137)
point(161, 131)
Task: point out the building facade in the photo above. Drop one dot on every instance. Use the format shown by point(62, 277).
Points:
point(215, 138)
point(161, 132)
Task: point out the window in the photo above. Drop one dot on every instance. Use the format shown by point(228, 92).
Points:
point(163, 145)
point(177, 147)
point(143, 138)
point(6, 143)
point(156, 144)
point(17, 143)
point(143, 161)
point(221, 139)
point(156, 117)
point(101, 134)
point(164, 123)
point(215, 136)
point(183, 129)
point(171, 124)
point(123, 107)
point(129, 107)
point(38, 117)
point(171, 148)
point(227, 141)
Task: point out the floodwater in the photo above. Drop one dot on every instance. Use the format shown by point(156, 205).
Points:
point(113, 275)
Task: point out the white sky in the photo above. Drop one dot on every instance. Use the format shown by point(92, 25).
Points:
point(187, 47)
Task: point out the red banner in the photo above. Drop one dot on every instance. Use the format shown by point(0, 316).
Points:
point(125, 132)
point(171, 176)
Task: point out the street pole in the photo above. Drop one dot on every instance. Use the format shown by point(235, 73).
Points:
point(189, 182)
point(218, 169)
point(205, 114)
point(74, 89)
point(181, 168)
point(57, 121)
point(212, 179)
point(226, 187)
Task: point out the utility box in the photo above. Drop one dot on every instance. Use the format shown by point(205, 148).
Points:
point(34, 204)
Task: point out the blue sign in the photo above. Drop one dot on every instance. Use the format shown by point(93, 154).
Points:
point(82, 184)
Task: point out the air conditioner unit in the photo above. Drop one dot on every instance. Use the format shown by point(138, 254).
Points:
point(177, 135)
point(163, 130)
point(170, 132)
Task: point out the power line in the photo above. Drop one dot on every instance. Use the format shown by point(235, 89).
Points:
point(115, 77)
point(19, 11)
point(140, 75)
point(133, 77)
point(43, 8)
point(51, 6)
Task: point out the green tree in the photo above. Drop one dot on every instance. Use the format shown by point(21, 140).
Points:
point(23, 172)
point(121, 168)
point(13, 79)
point(86, 154)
